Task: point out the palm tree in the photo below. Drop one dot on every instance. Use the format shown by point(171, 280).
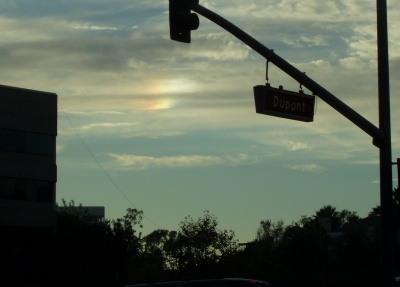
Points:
point(337, 218)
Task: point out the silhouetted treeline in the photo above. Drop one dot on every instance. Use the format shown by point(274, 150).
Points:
point(331, 248)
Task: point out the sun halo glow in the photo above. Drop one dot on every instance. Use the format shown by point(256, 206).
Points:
point(161, 89)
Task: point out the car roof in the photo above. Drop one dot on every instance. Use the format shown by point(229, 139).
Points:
point(224, 282)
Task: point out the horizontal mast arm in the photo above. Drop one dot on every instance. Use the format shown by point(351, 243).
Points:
point(377, 135)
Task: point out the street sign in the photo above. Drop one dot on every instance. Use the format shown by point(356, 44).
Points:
point(284, 104)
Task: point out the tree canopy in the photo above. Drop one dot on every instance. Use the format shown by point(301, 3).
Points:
point(331, 246)
point(202, 244)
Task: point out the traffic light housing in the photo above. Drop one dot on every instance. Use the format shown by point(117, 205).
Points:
point(181, 20)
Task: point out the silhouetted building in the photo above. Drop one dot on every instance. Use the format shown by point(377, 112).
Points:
point(28, 175)
point(90, 214)
point(96, 213)
point(28, 172)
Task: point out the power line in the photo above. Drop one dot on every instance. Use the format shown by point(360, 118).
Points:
point(101, 166)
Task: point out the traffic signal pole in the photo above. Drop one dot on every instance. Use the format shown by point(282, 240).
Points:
point(377, 135)
point(381, 137)
point(385, 150)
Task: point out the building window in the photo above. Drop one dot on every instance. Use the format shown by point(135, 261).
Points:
point(26, 190)
point(24, 142)
point(39, 144)
point(6, 188)
point(44, 191)
point(12, 141)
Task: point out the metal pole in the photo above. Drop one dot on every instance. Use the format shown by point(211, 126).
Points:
point(398, 173)
point(385, 150)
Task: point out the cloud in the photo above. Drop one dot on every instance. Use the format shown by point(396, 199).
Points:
point(59, 148)
point(299, 10)
point(310, 167)
point(139, 162)
point(101, 128)
point(295, 146)
point(352, 63)
point(155, 134)
point(304, 41)
point(372, 161)
point(107, 125)
point(81, 26)
point(113, 64)
point(218, 47)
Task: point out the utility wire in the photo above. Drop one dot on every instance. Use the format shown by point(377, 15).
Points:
point(101, 166)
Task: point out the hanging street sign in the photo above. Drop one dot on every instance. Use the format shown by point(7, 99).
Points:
point(284, 104)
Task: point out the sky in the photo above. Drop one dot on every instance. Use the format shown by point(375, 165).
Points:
point(170, 128)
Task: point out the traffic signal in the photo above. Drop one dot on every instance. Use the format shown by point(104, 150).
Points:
point(181, 20)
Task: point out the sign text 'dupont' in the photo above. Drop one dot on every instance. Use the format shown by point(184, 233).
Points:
point(284, 104)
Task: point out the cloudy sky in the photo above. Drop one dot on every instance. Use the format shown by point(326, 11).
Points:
point(171, 129)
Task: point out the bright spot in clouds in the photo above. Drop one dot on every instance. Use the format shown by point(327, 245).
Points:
point(159, 104)
point(158, 91)
point(169, 86)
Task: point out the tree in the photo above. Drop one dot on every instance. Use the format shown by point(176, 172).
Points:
point(269, 231)
point(336, 218)
point(69, 209)
point(81, 245)
point(96, 251)
point(125, 243)
point(202, 244)
point(377, 210)
point(302, 251)
point(124, 229)
point(259, 258)
point(160, 247)
point(299, 251)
